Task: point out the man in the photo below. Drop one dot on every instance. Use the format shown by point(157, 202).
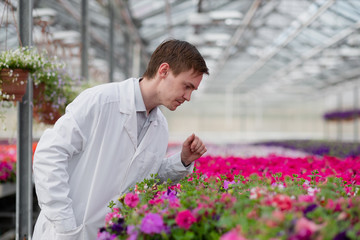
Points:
point(111, 137)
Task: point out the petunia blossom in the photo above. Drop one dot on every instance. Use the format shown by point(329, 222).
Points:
point(132, 200)
point(234, 234)
point(185, 219)
point(152, 223)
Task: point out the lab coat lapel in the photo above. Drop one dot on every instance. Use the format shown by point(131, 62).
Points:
point(148, 138)
point(127, 106)
point(131, 128)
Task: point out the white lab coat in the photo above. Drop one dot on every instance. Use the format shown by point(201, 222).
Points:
point(91, 157)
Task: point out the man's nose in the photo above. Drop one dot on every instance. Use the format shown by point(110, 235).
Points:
point(187, 95)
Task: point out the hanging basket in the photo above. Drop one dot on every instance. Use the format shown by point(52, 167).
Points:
point(44, 111)
point(13, 84)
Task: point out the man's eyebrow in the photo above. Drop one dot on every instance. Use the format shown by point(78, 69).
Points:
point(192, 86)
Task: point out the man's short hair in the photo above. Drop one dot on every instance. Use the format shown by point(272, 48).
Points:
point(181, 57)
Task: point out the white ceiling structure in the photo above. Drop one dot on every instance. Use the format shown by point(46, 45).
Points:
point(273, 50)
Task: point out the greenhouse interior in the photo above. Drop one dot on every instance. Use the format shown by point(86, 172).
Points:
point(276, 151)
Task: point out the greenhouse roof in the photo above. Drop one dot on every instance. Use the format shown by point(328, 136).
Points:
point(274, 50)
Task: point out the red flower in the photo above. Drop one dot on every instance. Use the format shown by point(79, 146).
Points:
point(185, 219)
point(283, 202)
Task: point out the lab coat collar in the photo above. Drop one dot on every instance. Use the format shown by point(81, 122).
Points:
point(127, 106)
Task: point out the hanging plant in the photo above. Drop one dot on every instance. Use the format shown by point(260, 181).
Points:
point(53, 86)
point(54, 89)
point(15, 64)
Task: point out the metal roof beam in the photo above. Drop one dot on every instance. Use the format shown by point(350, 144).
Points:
point(236, 37)
point(267, 56)
point(122, 9)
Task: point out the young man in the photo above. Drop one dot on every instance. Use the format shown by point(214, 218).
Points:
point(112, 136)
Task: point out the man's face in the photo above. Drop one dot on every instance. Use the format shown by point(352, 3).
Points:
point(176, 90)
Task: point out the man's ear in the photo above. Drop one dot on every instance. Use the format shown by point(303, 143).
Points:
point(163, 69)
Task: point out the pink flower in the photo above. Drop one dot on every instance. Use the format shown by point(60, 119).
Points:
point(152, 223)
point(156, 201)
point(227, 199)
point(305, 228)
point(175, 203)
point(283, 202)
point(114, 214)
point(185, 219)
point(306, 198)
point(132, 200)
point(234, 234)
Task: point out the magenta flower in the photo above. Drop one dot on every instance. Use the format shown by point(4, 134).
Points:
point(185, 219)
point(152, 223)
point(132, 200)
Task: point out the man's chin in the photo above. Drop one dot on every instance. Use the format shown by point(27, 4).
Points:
point(172, 108)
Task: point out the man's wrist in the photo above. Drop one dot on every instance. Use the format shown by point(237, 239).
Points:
point(185, 165)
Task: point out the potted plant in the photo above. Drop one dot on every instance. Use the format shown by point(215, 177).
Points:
point(53, 86)
point(54, 89)
point(15, 65)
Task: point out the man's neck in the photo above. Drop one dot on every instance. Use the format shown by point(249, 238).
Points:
point(148, 91)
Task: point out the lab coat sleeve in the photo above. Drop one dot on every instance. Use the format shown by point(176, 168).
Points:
point(55, 148)
point(173, 169)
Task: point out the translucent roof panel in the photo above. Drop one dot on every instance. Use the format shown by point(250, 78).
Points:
point(251, 46)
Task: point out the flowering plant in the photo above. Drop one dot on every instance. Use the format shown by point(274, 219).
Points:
point(231, 205)
point(58, 87)
point(7, 164)
point(24, 58)
point(27, 58)
point(54, 89)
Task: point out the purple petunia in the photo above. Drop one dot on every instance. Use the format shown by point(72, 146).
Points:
point(105, 236)
point(152, 223)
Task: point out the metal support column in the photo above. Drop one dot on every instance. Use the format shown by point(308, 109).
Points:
point(325, 123)
point(229, 108)
point(24, 139)
point(85, 39)
point(111, 41)
point(136, 60)
point(339, 123)
point(128, 55)
point(356, 119)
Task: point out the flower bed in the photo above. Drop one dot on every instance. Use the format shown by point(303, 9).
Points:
point(8, 162)
point(244, 198)
point(342, 115)
point(319, 147)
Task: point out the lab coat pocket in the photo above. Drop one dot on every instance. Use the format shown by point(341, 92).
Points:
point(74, 234)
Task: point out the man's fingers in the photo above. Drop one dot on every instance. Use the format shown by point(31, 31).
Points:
point(203, 151)
point(189, 140)
point(196, 145)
